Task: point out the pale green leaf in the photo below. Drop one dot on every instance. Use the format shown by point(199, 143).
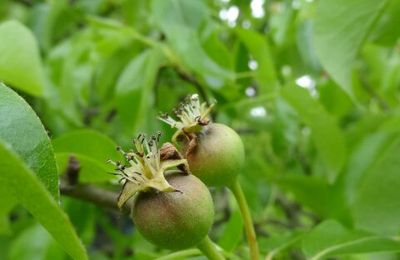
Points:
point(233, 232)
point(386, 31)
point(280, 243)
point(92, 149)
point(87, 142)
point(134, 89)
point(340, 29)
point(215, 48)
point(180, 21)
point(327, 136)
point(362, 158)
point(258, 46)
point(377, 205)
point(34, 243)
point(328, 203)
point(90, 171)
point(20, 182)
point(22, 129)
point(168, 13)
point(185, 42)
point(20, 64)
point(330, 238)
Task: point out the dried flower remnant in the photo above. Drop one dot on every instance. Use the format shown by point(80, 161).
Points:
point(144, 169)
point(192, 116)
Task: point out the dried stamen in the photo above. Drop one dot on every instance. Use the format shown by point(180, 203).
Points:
point(191, 116)
point(144, 168)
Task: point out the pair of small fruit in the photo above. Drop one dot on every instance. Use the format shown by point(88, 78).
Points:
point(174, 209)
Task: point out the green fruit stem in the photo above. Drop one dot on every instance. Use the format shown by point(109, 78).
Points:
point(192, 252)
point(208, 248)
point(247, 220)
point(183, 254)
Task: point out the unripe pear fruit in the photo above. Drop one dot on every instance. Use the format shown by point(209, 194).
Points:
point(175, 220)
point(218, 155)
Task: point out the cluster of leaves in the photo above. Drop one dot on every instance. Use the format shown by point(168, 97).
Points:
point(311, 86)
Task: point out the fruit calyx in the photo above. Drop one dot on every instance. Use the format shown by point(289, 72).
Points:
point(192, 117)
point(145, 168)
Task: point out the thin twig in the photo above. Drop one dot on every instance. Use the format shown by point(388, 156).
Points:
point(72, 170)
point(95, 195)
point(70, 186)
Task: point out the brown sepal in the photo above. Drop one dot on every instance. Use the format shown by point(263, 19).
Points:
point(169, 152)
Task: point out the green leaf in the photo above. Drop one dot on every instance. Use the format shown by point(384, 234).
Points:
point(277, 244)
point(383, 66)
point(91, 170)
point(305, 45)
point(22, 129)
point(92, 149)
point(109, 69)
point(20, 64)
point(386, 32)
point(20, 182)
point(35, 243)
point(327, 136)
point(215, 48)
point(340, 29)
point(6, 205)
point(83, 216)
point(134, 89)
point(233, 231)
point(180, 20)
point(259, 48)
point(330, 238)
point(377, 205)
point(334, 99)
point(185, 42)
point(168, 13)
point(363, 157)
point(328, 203)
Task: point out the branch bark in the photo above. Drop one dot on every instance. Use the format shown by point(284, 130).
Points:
point(70, 186)
point(95, 195)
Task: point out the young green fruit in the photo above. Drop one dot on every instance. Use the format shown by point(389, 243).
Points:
point(215, 152)
point(171, 210)
point(218, 155)
point(175, 220)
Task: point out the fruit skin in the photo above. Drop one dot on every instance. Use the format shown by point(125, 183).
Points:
point(218, 156)
point(175, 220)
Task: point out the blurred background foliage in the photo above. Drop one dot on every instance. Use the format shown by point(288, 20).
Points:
point(312, 87)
